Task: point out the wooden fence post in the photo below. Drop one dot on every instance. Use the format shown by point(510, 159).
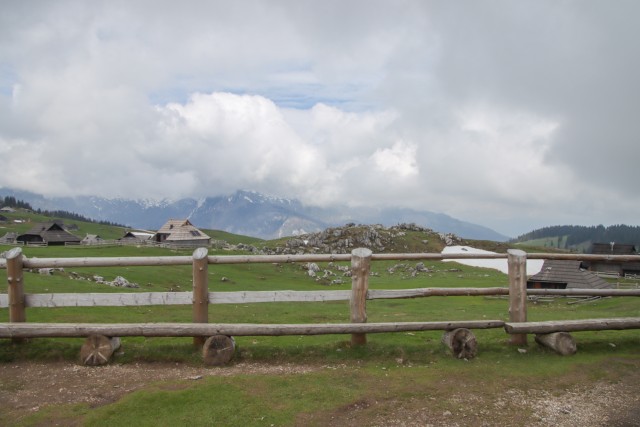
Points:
point(200, 291)
point(360, 269)
point(517, 263)
point(15, 288)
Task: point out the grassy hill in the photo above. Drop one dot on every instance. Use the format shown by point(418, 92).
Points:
point(397, 373)
point(23, 220)
point(579, 238)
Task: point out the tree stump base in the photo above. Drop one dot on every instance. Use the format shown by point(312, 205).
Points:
point(462, 343)
point(560, 342)
point(98, 349)
point(218, 350)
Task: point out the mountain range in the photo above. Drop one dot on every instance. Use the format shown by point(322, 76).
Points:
point(247, 213)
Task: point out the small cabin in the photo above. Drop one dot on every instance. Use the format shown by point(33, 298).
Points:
point(181, 232)
point(561, 274)
point(50, 233)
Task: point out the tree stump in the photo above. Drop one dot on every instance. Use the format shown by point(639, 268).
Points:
point(98, 349)
point(218, 350)
point(560, 342)
point(462, 343)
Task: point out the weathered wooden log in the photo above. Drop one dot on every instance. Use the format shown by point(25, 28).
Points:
point(50, 330)
point(462, 343)
point(98, 349)
point(517, 266)
point(360, 270)
point(218, 350)
point(200, 308)
point(546, 327)
point(560, 342)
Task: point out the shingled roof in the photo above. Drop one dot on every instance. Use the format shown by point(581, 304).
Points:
point(180, 230)
point(569, 272)
point(49, 232)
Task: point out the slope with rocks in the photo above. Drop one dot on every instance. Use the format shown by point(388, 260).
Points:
point(401, 238)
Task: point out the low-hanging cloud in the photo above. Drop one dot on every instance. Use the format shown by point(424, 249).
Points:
point(513, 115)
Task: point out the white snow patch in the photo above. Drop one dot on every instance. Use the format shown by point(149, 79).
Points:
point(533, 265)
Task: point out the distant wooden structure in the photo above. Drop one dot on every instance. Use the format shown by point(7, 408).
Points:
point(91, 239)
point(49, 233)
point(564, 274)
point(136, 236)
point(9, 238)
point(611, 267)
point(181, 232)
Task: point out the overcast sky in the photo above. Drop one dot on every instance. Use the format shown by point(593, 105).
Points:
point(510, 114)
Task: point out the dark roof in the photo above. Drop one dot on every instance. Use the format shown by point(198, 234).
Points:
point(51, 232)
point(569, 272)
point(613, 249)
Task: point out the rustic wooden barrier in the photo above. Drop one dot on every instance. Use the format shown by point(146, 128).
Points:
point(58, 330)
point(200, 299)
point(547, 327)
point(15, 290)
point(555, 334)
point(200, 291)
point(517, 263)
point(360, 268)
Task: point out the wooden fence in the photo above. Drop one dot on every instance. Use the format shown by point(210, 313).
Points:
point(17, 301)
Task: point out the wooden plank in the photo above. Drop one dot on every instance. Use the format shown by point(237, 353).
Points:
point(173, 298)
point(432, 292)
point(106, 262)
point(547, 327)
point(246, 259)
point(108, 300)
point(48, 330)
point(585, 257)
point(238, 259)
point(247, 297)
point(241, 297)
point(586, 292)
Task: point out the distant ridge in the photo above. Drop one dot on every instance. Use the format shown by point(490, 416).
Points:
point(248, 213)
point(582, 237)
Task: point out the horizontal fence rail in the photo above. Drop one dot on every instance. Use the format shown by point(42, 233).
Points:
point(246, 297)
point(49, 330)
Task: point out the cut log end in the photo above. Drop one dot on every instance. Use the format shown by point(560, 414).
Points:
point(560, 342)
point(218, 350)
point(462, 343)
point(98, 349)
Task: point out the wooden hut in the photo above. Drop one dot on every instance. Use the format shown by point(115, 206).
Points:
point(560, 274)
point(180, 232)
point(49, 233)
point(612, 267)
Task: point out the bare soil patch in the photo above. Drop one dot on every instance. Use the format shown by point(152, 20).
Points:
point(26, 387)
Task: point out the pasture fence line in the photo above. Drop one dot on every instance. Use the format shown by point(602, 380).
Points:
point(361, 258)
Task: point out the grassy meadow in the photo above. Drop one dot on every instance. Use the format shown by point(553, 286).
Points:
point(392, 369)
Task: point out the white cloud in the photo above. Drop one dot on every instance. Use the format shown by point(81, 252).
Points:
point(512, 115)
point(399, 160)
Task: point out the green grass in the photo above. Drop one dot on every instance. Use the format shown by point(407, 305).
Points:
point(392, 367)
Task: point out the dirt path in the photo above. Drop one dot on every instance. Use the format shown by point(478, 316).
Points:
point(27, 387)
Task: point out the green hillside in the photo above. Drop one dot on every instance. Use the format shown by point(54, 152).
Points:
point(579, 238)
point(23, 220)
